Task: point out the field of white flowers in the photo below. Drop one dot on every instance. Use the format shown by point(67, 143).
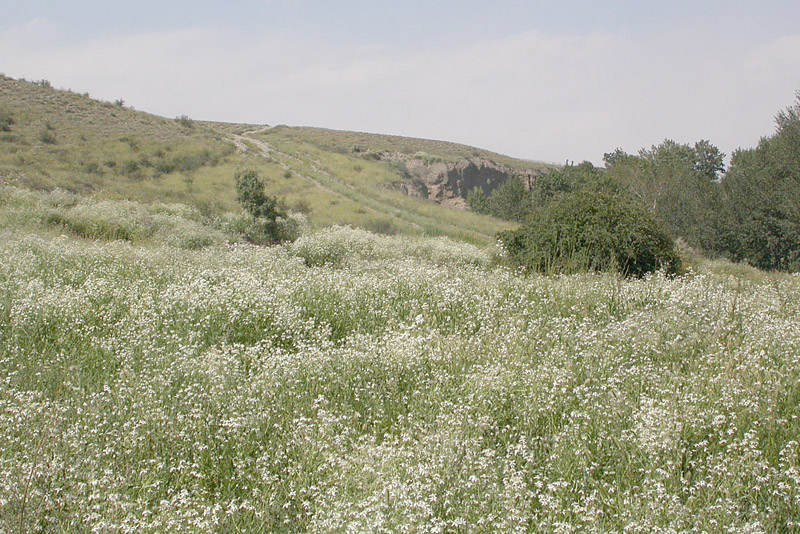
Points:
point(355, 383)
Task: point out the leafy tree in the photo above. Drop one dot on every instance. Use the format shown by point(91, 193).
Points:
point(708, 161)
point(571, 178)
point(615, 157)
point(591, 232)
point(250, 193)
point(678, 183)
point(478, 201)
point(761, 220)
point(510, 201)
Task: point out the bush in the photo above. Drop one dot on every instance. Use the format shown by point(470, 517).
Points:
point(591, 232)
point(47, 137)
point(291, 226)
point(510, 201)
point(250, 193)
point(185, 121)
point(478, 201)
point(6, 120)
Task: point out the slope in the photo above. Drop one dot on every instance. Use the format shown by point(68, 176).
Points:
point(55, 138)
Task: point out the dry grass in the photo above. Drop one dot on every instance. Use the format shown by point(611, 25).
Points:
point(57, 139)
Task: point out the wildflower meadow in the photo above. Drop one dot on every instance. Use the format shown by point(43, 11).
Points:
point(350, 382)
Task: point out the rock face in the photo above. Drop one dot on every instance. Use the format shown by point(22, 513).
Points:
point(449, 182)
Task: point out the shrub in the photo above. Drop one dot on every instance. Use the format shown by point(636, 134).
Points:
point(92, 167)
point(6, 120)
point(591, 232)
point(510, 200)
point(478, 201)
point(47, 137)
point(301, 205)
point(250, 193)
point(291, 226)
point(427, 159)
point(185, 121)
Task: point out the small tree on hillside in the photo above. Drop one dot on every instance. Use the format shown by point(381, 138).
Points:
point(478, 201)
point(250, 193)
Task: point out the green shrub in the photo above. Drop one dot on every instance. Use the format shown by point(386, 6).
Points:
point(511, 201)
point(6, 120)
point(591, 232)
point(250, 193)
point(478, 201)
point(427, 159)
point(185, 121)
point(291, 226)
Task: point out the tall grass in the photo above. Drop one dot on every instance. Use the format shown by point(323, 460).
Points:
point(406, 386)
point(175, 225)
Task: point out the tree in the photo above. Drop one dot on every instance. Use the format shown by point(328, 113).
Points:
point(678, 183)
point(761, 216)
point(708, 161)
point(510, 201)
point(591, 232)
point(478, 201)
point(251, 194)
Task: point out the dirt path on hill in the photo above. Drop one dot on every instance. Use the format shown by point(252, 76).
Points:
point(244, 141)
point(268, 151)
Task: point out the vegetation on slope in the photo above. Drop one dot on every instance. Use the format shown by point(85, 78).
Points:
point(59, 139)
point(369, 146)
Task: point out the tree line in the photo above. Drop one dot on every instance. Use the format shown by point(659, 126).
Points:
point(748, 212)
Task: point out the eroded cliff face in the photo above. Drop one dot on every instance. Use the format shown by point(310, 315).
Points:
point(449, 182)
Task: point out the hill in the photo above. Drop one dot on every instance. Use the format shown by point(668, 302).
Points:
point(61, 139)
point(161, 375)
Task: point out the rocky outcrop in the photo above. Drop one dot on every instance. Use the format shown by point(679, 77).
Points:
point(449, 182)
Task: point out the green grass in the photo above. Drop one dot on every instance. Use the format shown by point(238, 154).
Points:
point(366, 185)
point(356, 382)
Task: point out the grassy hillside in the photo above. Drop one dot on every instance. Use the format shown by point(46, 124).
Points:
point(61, 139)
point(364, 143)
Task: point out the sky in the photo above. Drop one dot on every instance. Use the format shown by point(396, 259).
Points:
point(553, 81)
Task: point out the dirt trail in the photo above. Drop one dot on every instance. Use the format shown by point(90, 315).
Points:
point(244, 141)
point(268, 151)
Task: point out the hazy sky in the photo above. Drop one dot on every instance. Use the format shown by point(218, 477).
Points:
point(546, 80)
